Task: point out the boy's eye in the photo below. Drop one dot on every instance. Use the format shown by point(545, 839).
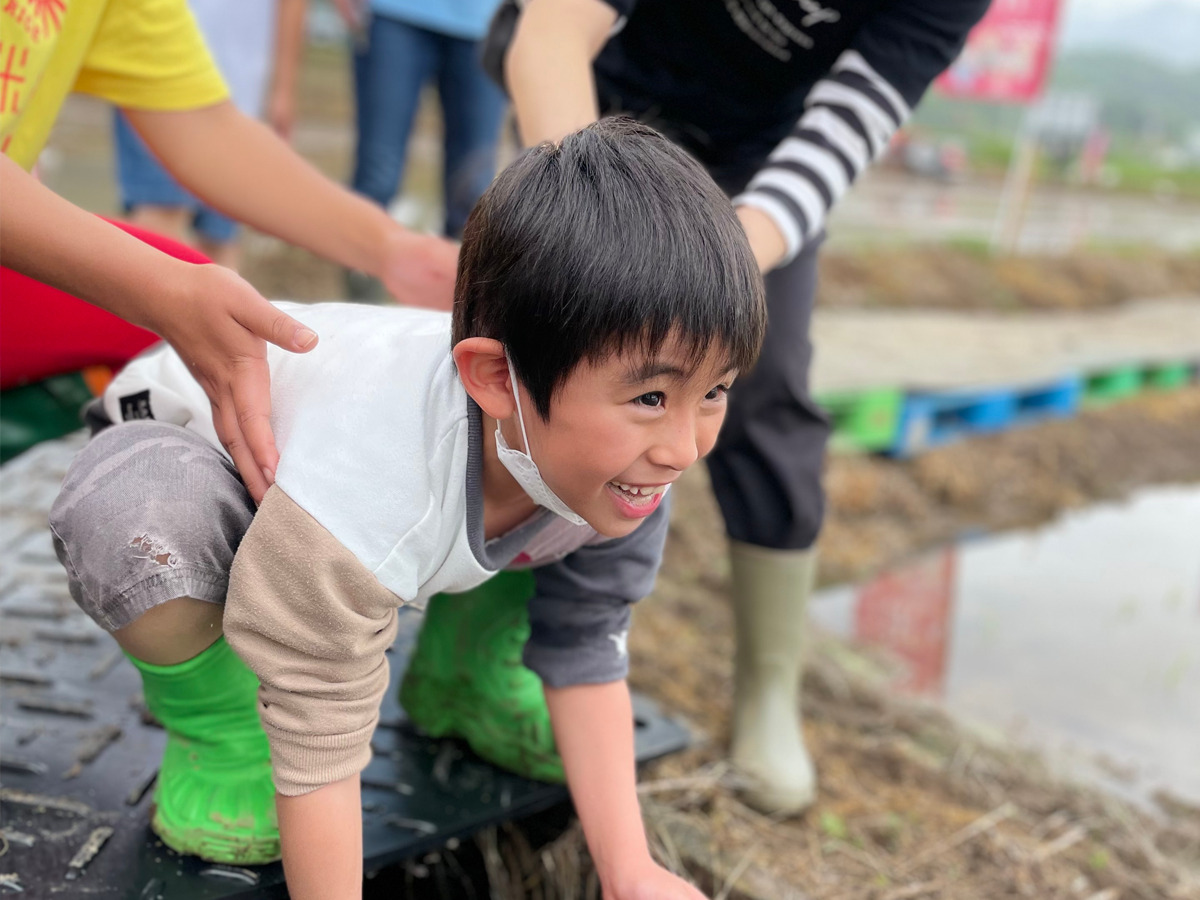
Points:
point(716, 392)
point(654, 399)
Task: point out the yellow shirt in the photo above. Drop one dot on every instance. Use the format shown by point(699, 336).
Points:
point(141, 54)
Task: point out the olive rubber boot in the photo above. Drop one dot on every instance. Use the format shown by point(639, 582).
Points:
point(770, 591)
point(466, 678)
point(214, 797)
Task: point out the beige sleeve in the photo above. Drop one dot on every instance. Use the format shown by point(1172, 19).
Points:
point(313, 623)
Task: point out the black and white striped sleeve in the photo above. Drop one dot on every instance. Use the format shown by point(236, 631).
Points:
point(849, 119)
point(852, 113)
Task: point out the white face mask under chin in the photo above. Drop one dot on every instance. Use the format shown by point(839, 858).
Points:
point(522, 467)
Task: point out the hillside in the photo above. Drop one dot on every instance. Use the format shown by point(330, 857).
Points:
point(1138, 96)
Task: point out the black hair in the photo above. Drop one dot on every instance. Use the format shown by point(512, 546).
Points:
point(612, 239)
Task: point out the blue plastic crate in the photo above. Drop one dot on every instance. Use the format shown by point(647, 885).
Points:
point(1059, 399)
point(934, 418)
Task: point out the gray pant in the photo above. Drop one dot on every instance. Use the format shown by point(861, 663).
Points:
point(148, 512)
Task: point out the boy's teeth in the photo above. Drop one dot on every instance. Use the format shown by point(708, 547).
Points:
point(638, 491)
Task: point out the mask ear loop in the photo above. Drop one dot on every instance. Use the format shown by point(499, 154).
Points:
point(512, 373)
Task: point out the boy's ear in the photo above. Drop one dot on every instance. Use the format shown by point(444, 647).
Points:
point(483, 370)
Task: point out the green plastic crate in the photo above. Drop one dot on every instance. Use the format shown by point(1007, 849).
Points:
point(1113, 384)
point(1168, 376)
point(863, 421)
point(38, 412)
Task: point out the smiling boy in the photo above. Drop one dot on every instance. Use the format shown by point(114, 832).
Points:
point(606, 299)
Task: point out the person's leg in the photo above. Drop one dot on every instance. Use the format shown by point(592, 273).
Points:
point(146, 524)
point(473, 110)
point(217, 237)
point(389, 71)
point(150, 197)
point(390, 66)
point(766, 476)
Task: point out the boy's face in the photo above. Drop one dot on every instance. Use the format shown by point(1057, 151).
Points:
point(622, 430)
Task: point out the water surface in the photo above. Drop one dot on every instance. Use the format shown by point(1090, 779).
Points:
point(1082, 638)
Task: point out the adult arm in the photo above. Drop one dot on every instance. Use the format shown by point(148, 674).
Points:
point(849, 118)
point(548, 72)
point(216, 321)
point(243, 169)
point(548, 67)
point(290, 16)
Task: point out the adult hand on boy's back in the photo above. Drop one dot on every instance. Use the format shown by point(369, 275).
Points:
point(419, 269)
point(651, 882)
point(219, 326)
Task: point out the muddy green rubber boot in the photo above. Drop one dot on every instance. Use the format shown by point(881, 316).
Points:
point(466, 678)
point(771, 590)
point(214, 797)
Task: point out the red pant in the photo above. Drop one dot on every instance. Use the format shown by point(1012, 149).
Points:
point(45, 332)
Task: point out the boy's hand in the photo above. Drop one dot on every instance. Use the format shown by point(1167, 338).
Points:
point(219, 326)
point(593, 728)
point(419, 269)
point(651, 882)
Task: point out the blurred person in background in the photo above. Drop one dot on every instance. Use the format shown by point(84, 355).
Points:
point(399, 47)
point(148, 58)
point(258, 48)
point(785, 102)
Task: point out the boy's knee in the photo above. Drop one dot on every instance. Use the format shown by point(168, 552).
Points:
point(147, 512)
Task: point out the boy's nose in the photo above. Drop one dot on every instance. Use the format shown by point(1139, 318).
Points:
point(677, 446)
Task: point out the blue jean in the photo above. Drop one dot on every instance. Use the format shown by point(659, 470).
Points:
point(144, 182)
point(389, 71)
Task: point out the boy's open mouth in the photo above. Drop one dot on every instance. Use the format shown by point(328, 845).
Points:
point(638, 495)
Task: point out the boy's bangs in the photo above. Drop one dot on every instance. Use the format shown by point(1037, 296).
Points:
point(702, 328)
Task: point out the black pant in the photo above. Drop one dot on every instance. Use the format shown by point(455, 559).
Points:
point(766, 466)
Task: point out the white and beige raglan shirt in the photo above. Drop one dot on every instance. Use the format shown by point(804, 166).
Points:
point(378, 503)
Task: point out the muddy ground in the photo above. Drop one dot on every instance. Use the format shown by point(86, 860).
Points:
point(964, 277)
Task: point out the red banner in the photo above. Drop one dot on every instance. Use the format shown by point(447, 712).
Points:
point(1007, 56)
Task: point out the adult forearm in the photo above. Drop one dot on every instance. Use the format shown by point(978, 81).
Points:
point(53, 241)
point(548, 68)
point(593, 726)
point(321, 835)
point(240, 167)
point(766, 240)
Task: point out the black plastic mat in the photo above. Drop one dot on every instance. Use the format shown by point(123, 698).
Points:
point(79, 760)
